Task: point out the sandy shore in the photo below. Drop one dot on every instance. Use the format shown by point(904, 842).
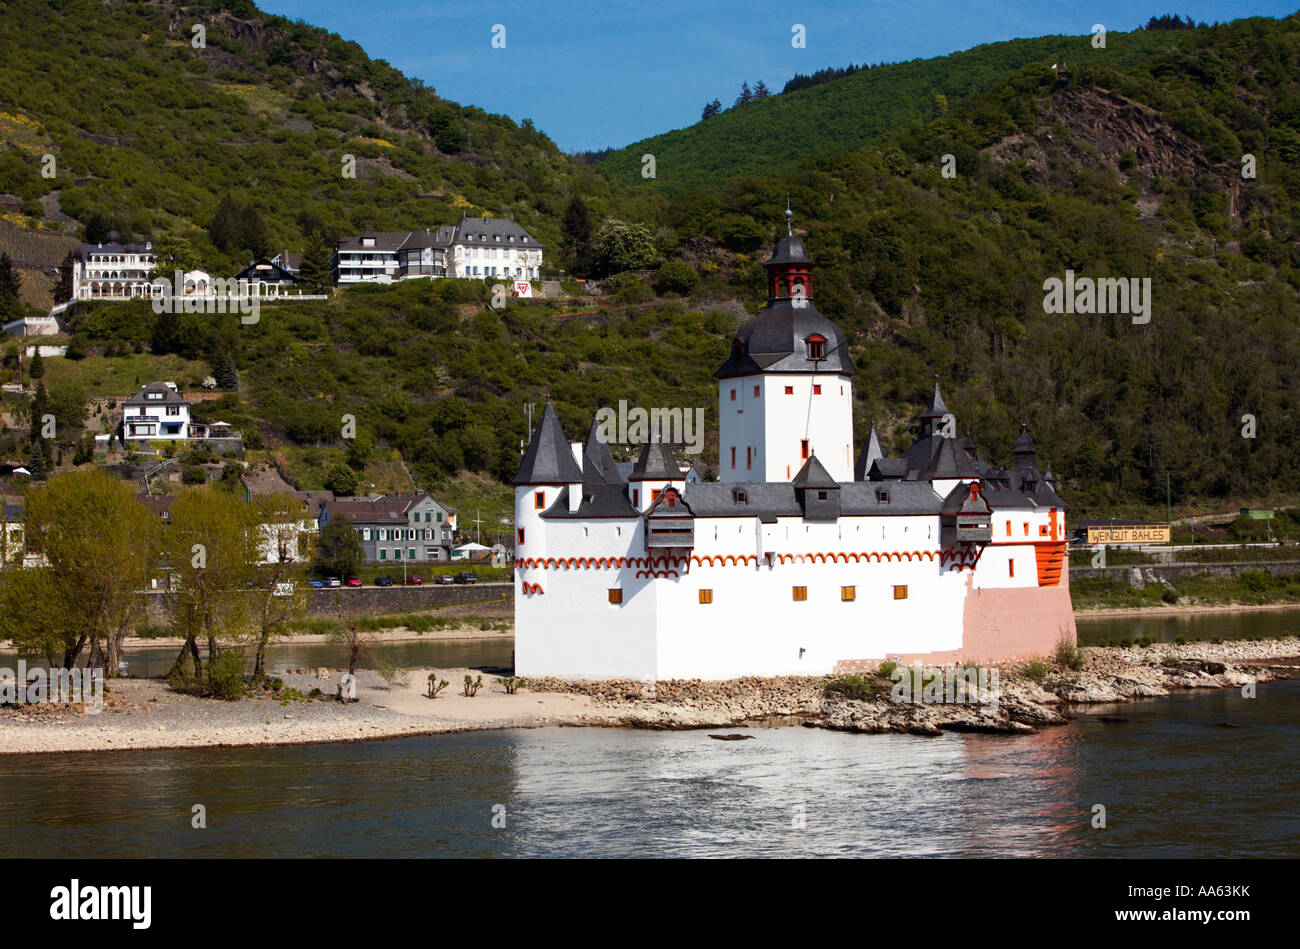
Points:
point(145, 713)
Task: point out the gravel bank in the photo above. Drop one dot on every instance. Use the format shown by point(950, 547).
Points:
point(147, 714)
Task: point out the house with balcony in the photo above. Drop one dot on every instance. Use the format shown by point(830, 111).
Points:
point(158, 412)
point(112, 271)
point(483, 248)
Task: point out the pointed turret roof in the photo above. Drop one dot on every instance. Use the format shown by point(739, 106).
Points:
point(1024, 444)
point(937, 409)
point(598, 465)
point(813, 475)
point(655, 463)
point(868, 456)
point(548, 459)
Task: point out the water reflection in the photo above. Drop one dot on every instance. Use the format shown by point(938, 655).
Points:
point(1167, 627)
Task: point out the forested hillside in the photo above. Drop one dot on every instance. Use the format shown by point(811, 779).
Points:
point(1128, 167)
point(772, 134)
point(149, 133)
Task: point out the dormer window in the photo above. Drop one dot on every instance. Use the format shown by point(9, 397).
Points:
point(740, 497)
point(816, 346)
point(882, 496)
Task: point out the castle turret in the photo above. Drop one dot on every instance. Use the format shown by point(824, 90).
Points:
point(786, 389)
point(546, 470)
point(655, 469)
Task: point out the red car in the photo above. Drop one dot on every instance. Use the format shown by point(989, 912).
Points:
point(353, 581)
point(415, 581)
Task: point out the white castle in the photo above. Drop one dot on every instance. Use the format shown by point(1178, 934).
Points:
point(798, 561)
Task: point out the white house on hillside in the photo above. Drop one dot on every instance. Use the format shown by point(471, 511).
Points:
point(112, 271)
point(476, 248)
point(157, 412)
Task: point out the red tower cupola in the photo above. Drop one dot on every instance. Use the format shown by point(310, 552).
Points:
point(789, 272)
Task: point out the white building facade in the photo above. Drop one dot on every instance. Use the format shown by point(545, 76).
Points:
point(797, 562)
point(112, 271)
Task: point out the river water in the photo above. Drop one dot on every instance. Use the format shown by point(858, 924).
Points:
point(1192, 775)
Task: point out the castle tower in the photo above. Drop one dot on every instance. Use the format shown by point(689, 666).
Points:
point(786, 390)
point(547, 468)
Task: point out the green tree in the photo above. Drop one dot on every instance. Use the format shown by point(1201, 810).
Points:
point(314, 271)
point(99, 542)
point(225, 373)
point(576, 228)
point(338, 549)
point(173, 254)
point(36, 368)
point(280, 602)
point(211, 547)
point(619, 246)
point(11, 282)
point(342, 480)
point(676, 276)
point(63, 289)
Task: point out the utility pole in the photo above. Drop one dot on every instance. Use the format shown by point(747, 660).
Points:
point(1169, 508)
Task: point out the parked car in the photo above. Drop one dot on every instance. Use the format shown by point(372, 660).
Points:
point(353, 581)
point(316, 583)
point(446, 578)
point(384, 582)
point(467, 577)
point(334, 582)
point(415, 581)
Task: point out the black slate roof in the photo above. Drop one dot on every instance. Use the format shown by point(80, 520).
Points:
point(548, 459)
point(813, 474)
point(776, 341)
point(950, 461)
point(598, 500)
point(598, 465)
point(937, 409)
point(789, 250)
point(477, 231)
point(773, 499)
point(656, 462)
point(868, 457)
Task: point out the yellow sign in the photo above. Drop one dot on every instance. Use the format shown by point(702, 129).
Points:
point(1129, 534)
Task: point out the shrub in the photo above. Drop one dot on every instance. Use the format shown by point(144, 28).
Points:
point(511, 684)
point(193, 474)
point(1036, 670)
point(856, 687)
point(1067, 655)
point(676, 276)
point(226, 675)
point(436, 685)
point(472, 686)
point(1169, 596)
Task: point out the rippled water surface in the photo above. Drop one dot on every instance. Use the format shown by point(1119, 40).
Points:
point(1174, 779)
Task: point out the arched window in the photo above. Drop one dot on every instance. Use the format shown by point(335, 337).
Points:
point(816, 346)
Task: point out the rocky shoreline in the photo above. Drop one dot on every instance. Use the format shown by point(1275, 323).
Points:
point(1025, 697)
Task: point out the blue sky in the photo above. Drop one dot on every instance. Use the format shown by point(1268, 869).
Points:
point(596, 74)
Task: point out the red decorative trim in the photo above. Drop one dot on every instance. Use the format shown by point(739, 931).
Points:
point(960, 558)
